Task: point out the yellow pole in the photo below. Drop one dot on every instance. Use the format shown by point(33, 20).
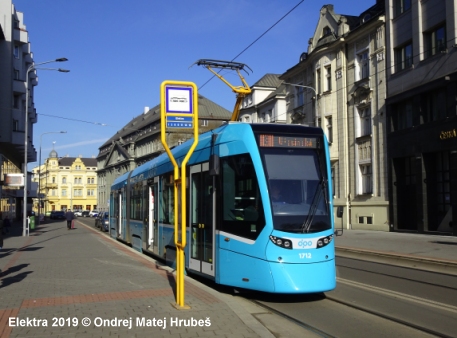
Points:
point(180, 244)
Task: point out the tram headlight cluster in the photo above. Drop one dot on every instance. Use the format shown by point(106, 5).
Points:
point(282, 242)
point(324, 241)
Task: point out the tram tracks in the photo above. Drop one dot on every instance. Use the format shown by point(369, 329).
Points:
point(316, 330)
point(378, 299)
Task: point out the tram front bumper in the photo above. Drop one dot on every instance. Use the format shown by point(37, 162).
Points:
point(303, 278)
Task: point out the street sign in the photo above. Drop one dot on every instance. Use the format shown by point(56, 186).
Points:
point(179, 122)
point(179, 106)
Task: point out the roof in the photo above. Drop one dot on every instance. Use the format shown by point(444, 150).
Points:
point(68, 161)
point(207, 109)
point(268, 80)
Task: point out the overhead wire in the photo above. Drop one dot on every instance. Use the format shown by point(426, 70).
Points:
point(250, 45)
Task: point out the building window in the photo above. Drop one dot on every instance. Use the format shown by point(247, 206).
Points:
point(435, 41)
point(16, 52)
point(403, 57)
point(15, 125)
point(53, 180)
point(328, 79)
point(204, 123)
point(17, 100)
point(64, 180)
point(329, 129)
point(362, 66)
point(16, 74)
point(434, 105)
point(90, 192)
point(402, 6)
point(326, 31)
point(365, 121)
point(64, 192)
point(367, 178)
point(318, 81)
point(403, 117)
point(78, 192)
point(299, 96)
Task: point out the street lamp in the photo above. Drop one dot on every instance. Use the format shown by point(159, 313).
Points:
point(39, 170)
point(315, 94)
point(26, 130)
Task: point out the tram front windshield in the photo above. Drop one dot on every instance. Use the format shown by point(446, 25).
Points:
point(298, 189)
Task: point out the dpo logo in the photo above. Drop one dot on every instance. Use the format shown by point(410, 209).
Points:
point(305, 244)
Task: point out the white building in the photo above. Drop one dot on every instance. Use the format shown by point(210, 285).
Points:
point(15, 59)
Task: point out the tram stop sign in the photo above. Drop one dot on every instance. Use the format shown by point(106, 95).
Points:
point(179, 100)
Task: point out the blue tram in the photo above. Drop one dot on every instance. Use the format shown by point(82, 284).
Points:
point(259, 208)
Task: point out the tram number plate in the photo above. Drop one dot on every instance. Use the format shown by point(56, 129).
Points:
point(304, 255)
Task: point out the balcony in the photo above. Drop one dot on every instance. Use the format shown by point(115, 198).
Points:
point(50, 185)
point(20, 35)
point(19, 86)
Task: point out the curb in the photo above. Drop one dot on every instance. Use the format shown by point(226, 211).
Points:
point(413, 262)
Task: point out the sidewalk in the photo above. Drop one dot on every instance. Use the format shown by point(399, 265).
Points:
point(429, 252)
point(82, 283)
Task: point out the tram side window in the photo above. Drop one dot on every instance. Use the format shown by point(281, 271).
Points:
point(136, 201)
point(166, 210)
point(242, 209)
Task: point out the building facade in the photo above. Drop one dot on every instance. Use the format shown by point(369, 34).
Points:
point(339, 85)
point(140, 141)
point(266, 103)
point(422, 115)
point(15, 59)
point(66, 183)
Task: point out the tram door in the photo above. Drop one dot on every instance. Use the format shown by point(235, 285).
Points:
point(153, 225)
point(201, 217)
point(119, 219)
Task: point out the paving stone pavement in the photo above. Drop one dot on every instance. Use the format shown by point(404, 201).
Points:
point(82, 283)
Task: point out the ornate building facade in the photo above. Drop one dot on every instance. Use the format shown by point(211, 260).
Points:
point(339, 85)
point(66, 183)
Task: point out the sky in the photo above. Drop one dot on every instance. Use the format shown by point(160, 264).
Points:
point(120, 51)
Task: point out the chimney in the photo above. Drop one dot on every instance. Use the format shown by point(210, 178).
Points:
point(146, 109)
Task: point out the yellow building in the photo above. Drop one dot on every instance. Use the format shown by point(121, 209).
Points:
point(66, 183)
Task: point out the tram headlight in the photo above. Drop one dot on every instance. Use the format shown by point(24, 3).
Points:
point(282, 242)
point(321, 242)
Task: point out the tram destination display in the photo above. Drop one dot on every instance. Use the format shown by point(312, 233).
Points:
point(271, 140)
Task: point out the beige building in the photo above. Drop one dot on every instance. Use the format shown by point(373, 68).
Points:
point(339, 85)
point(66, 183)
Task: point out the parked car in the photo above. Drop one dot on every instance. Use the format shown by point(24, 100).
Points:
point(102, 221)
point(85, 213)
point(78, 213)
point(57, 214)
point(93, 213)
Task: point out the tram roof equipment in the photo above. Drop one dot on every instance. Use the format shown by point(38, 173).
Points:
point(241, 91)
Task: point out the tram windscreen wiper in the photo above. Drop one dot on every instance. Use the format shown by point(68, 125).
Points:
point(313, 208)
